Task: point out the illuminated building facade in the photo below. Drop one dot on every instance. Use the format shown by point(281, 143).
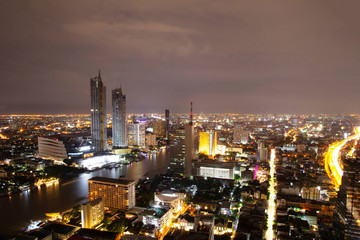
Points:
point(52, 149)
point(177, 153)
point(160, 128)
point(119, 119)
point(213, 169)
point(347, 208)
point(64, 146)
point(189, 148)
point(208, 143)
point(98, 114)
point(92, 213)
point(167, 120)
point(150, 140)
point(136, 134)
point(262, 151)
point(116, 193)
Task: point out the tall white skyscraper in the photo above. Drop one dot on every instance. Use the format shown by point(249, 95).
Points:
point(119, 119)
point(98, 114)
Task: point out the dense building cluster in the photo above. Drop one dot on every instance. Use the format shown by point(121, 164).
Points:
point(229, 176)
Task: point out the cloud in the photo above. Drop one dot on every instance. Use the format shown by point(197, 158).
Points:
point(152, 39)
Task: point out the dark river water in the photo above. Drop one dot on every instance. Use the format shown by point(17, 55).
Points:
point(17, 210)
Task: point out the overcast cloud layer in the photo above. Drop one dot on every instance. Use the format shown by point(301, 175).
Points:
point(228, 56)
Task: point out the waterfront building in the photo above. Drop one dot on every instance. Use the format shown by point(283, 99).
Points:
point(116, 193)
point(98, 114)
point(208, 143)
point(167, 120)
point(60, 147)
point(53, 149)
point(119, 119)
point(160, 128)
point(136, 134)
point(92, 213)
point(150, 140)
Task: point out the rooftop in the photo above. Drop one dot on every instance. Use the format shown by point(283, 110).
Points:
point(121, 181)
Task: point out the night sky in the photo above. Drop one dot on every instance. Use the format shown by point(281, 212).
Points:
point(228, 56)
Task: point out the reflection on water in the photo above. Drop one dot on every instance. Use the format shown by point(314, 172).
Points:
point(17, 211)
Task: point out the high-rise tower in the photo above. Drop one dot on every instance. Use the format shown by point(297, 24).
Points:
point(189, 144)
point(167, 130)
point(98, 114)
point(119, 118)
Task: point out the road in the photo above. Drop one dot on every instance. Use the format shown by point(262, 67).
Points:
point(333, 166)
point(271, 211)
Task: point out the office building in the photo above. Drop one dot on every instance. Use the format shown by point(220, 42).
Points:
point(150, 140)
point(177, 151)
point(136, 134)
point(115, 193)
point(240, 136)
point(119, 119)
point(92, 213)
point(98, 114)
point(189, 143)
point(167, 120)
point(262, 151)
point(160, 128)
point(208, 143)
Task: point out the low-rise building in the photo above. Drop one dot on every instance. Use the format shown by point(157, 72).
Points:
point(92, 213)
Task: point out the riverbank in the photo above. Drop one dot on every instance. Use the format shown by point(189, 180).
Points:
point(18, 210)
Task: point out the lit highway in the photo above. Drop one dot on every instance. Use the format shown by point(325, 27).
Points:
point(271, 211)
point(332, 158)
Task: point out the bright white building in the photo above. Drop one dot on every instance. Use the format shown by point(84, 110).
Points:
point(51, 149)
point(92, 213)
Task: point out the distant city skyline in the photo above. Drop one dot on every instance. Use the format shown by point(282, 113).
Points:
point(237, 56)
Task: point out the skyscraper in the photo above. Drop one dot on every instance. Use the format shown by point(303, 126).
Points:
point(167, 130)
point(160, 128)
point(189, 144)
point(98, 114)
point(119, 119)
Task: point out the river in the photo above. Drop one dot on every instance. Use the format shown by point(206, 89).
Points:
point(17, 211)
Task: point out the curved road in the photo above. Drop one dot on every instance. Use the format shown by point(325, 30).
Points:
point(333, 166)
